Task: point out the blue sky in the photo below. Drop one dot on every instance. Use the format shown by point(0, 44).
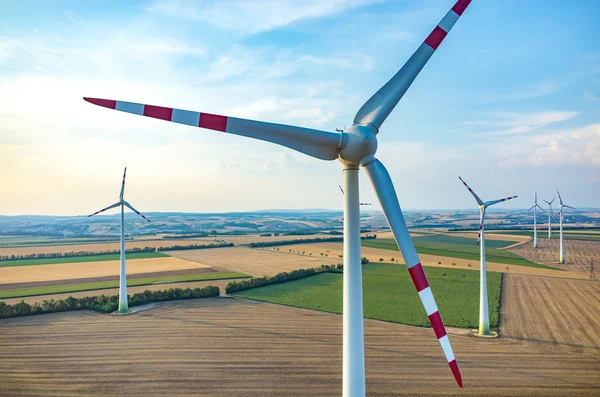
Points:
point(510, 101)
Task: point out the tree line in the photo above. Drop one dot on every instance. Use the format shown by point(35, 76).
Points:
point(72, 254)
point(104, 303)
point(305, 241)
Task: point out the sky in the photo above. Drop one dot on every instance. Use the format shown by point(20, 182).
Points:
point(510, 101)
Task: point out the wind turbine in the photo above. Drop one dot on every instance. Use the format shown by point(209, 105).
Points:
point(354, 147)
point(484, 317)
point(123, 304)
point(550, 217)
point(562, 242)
point(534, 206)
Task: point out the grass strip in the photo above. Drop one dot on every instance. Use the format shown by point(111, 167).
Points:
point(75, 259)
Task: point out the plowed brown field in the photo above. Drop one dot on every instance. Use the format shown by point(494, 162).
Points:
point(560, 313)
point(256, 262)
point(578, 253)
point(226, 347)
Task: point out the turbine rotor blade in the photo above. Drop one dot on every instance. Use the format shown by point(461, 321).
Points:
point(123, 185)
point(315, 143)
point(134, 210)
point(500, 201)
point(341, 189)
point(479, 201)
point(384, 188)
point(381, 104)
point(532, 207)
point(105, 209)
point(559, 198)
point(480, 229)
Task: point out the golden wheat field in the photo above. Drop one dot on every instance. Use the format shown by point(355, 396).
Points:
point(562, 314)
point(578, 254)
point(224, 346)
point(253, 261)
point(78, 270)
point(374, 254)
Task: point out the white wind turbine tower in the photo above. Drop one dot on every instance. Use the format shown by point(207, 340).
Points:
point(484, 317)
point(562, 242)
point(534, 206)
point(550, 217)
point(354, 147)
point(123, 304)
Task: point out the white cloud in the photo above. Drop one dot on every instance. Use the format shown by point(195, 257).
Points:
point(256, 16)
point(520, 123)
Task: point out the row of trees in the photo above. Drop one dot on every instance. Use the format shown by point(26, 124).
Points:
point(70, 254)
point(184, 236)
point(195, 246)
point(104, 303)
point(237, 286)
point(305, 241)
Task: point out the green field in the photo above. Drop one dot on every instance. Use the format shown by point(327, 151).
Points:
point(89, 258)
point(64, 288)
point(42, 241)
point(458, 247)
point(390, 295)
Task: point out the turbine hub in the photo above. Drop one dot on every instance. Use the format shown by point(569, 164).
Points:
point(361, 143)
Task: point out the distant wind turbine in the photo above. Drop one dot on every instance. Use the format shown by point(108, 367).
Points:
point(550, 217)
point(484, 317)
point(123, 304)
point(358, 203)
point(562, 242)
point(534, 206)
point(354, 147)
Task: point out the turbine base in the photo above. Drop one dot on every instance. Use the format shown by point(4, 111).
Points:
point(475, 333)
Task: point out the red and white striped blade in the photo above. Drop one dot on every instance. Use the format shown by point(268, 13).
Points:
point(480, 228)
point(123, 184)
point(105, 209)
point(386, 193)
point(500, 200)
point(315, 143)
point(134, 210)
point(479, 201)
point(380, 105)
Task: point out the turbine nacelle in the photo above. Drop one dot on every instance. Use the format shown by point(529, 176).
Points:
point(359, 145)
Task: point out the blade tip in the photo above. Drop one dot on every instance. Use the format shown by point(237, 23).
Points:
point(106, 103)
point(456, 372)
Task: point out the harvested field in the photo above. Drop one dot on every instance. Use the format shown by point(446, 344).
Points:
point(374, 254)
point(256, 262)
point(148, 242)
point(218, 347)
point(559, 313)
point(67, 271)
point(578, 254)
point(115, 291)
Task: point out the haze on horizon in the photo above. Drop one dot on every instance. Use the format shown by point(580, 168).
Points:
point(510, 102)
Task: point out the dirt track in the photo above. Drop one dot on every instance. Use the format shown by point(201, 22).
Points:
point(578, 254)
point(560, 313)
point(223, 347)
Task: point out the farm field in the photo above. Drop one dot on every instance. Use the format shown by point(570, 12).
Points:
point(256, 262)
point(492, 235)
point(389, 295)
point(217, 347)
point(578, 254)
point(97, 285)
point(115, 291)
point(81, 259)
point(69, 271)
point(457, 247)
point(374, 254)
point(560, 313)
point(144, 242)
